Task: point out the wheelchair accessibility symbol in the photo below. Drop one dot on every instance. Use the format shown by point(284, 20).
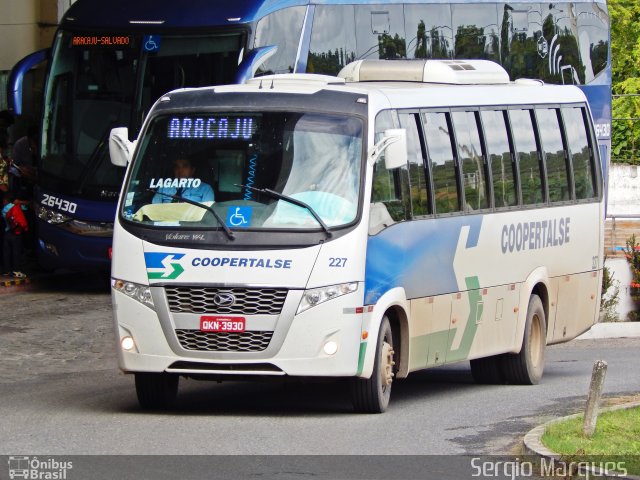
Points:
point(151, 43)
point(239, 217)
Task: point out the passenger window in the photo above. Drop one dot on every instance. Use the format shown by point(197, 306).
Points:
point(528, 161)
point(390, 190)
point(418, 183)
point(476, 31)
point(551, 138)
point(380, 32)
point(443, 167)
point(472, 160)
point(281, 28)
point(502, 166)
point(581, 157)
point(333, 40)
point(428, 30)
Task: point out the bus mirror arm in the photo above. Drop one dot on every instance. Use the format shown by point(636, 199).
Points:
point(395, 144)
point(120, 148)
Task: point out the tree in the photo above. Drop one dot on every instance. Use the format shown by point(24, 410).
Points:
point(625, 53)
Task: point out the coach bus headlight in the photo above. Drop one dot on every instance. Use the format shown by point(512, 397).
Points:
point(316, 296)
point(141, 293)
point(52, 217)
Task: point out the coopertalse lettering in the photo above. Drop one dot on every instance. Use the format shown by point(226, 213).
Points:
point(517, 237)
point(241, 262)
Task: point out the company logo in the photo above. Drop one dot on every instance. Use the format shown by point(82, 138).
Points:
point(163, 266)
point(224, 299)
point(27, 467)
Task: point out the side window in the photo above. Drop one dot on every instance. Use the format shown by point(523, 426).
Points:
point(333, 39)
point(281, 28)
point(390, 189)
point(528, 162)
point(428, 30)
point(581, 156)
point(443, 167)
point(472, 160)
point(476, 31)
point(418, 183)
point(502, 166)
point(380, 32)
point(554, 150)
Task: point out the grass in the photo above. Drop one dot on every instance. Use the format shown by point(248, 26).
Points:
point(617, 437)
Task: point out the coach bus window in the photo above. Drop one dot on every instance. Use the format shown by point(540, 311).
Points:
point(580, 152)
point(333, 40)
point(472, 159)
point(476, 31)
point(417, 181)
point(555, 154)
point(523, 49)
point(502, 166)
point(443, 168)
point(428, 31)
point(559, 29)
point(528, 160)
point(593, 28)
point(282, 28)
point(390, 191)
point(380, 32)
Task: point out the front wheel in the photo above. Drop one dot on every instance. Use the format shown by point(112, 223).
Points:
point(371, 395)
point(156, 390)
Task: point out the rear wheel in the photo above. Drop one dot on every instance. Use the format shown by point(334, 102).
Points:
point(372, 395)
point(526, 367)
point(156, 390)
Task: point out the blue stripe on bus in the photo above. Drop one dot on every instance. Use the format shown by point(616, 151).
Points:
point(417, 256)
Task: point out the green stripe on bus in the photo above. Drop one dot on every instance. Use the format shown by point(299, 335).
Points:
point(363, 349)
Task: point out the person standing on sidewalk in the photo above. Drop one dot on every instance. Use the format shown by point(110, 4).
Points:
point(15, 227)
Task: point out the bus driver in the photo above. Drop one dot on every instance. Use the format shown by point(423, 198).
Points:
point(195, 190)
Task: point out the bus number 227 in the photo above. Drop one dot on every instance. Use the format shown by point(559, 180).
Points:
point(337, 261)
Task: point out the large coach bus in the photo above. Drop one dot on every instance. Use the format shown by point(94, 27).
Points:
point(403, 215)
point(111, 60)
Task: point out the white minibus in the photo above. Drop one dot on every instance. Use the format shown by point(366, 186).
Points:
point(400, 216)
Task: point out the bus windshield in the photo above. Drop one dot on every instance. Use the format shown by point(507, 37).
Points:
point(99, 81)
point(222, 160)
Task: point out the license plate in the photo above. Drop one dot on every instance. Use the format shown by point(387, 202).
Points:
point(222, 324)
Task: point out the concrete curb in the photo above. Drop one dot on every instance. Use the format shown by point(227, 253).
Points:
point(533, 440)
point(612, 330)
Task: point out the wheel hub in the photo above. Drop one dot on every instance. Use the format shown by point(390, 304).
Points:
point(386, 372)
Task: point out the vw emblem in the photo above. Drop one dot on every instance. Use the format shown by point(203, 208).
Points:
point(224, 299)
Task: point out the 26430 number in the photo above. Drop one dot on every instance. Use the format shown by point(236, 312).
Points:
point(59, 203)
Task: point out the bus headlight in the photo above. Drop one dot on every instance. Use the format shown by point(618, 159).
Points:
point(140, 293)
point(316, 296)
point(79, 227)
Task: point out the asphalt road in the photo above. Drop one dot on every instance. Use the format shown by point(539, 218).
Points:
point(61, 394)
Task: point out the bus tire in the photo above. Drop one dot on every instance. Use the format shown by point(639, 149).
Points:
point(487, 371)
point(371, 395)
point(526, 367)
point(156, 390)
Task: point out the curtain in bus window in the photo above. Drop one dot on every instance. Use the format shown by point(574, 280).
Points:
point(475, 29)
point(557, 176)
point(333, 40)
point(390, 191)
point(530, 178)
point(428, 31)
point(380, 32)
point(443, 168)
point(523, 49)
point(417, 181)
point(472, 160)
point(581, 158)
point(593, 37)
point(282, 28)
point(502, 173)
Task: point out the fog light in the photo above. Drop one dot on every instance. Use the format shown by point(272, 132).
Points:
point(127, 344)
point(330, 348)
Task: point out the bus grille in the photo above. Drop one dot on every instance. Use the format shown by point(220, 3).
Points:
point(224, 342)
point(248, 301)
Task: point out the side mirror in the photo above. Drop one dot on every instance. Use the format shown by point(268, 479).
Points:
point(120, 148)
point(396, 149)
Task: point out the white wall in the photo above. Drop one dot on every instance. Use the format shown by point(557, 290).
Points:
point(624, 190)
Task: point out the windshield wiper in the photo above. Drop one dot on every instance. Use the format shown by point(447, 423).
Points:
point(286, 198)
point(226, 229)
